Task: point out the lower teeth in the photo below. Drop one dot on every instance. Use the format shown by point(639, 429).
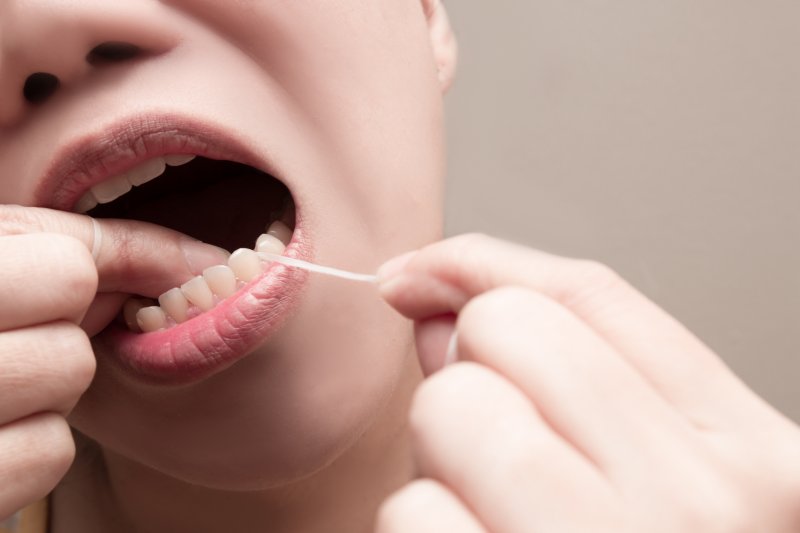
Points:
point(205, 292)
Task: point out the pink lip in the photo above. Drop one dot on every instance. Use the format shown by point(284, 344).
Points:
point(126, 144)
point(213, 340)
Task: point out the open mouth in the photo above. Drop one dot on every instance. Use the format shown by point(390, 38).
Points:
point(231, 205)
point(208, 182)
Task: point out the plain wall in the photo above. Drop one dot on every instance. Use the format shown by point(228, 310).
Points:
point(659, 136)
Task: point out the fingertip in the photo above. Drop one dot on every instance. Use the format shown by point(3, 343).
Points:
point(392, 268)
point(199, 255)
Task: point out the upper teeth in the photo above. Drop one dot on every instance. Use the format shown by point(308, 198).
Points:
point(116, 186)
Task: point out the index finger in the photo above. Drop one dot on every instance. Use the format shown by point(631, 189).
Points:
point(443, 277)
point(133, 257)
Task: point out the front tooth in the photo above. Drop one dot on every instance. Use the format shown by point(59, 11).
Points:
point(178, 159)
point(151, 319)
point(197, 292)
point(86, 203)
point(175, 304)
point(245, 264)
point(270, 244)
point(147, 171)
point(111, 189)
point(281, 231)
point(221, 280)
point(129, 311)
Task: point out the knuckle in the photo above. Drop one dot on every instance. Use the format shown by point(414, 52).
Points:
point(590, 278)
point(81, 364)
point(57, 448)
point(61, 265)
point(77, 262)
point(444, 394)
point(462, 249)
point(126, 249)
point(48, 448)
point(595, 273)
point(498, 321)
point(17, 220)
point(471, 240)
point(496, 305)
point(77, 273)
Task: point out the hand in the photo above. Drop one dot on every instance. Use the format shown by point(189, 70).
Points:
point(49, 281)
point(577, 406)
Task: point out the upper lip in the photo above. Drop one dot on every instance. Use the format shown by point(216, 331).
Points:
point(117, 148)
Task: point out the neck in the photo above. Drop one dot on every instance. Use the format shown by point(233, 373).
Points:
point(106, 492)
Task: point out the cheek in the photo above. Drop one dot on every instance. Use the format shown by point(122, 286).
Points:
point(362, 89)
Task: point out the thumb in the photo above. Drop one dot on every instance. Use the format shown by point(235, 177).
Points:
point(132, 257)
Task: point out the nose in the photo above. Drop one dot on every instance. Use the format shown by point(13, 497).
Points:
point(47, 46)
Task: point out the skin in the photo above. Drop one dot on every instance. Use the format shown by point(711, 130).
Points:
point(572, 391)
point(344, 96)
point(576, 405)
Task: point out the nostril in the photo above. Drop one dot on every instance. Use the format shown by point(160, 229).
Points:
point(112, 52)
point(39, 87)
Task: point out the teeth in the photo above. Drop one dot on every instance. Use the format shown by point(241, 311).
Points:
point(245, 264)
point(111, 189)
point(280, 231)
point(147, 171)
point(151, 319)
point(86, 203)
point(197, 292)
point(114, 187)
point(270, 244)
point(221, 280)
point(178, 160)
point(129, 312)
point(203, 293)
point(175, 304)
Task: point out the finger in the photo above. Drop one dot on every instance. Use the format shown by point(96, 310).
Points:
point(134, 257)
point(425, 506)
point(45, 278)
point(45, 368)
point(587, 393)
point(433, 337)
point(36, 452)
point(480, 436)
point(104, 306)
point(443, 277)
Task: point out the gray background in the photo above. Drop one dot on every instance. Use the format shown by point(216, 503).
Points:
point(659, 136)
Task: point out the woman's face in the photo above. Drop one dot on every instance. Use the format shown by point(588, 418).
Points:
point(338, 100)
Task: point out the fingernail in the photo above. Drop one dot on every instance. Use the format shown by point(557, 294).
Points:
point(394, 266)
point(199, 255)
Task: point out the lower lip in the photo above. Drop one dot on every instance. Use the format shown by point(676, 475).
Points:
point(213, 341)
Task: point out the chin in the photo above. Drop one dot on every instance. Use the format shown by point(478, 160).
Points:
point(282, 413)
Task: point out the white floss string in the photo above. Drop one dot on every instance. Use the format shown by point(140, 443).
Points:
point(97, 241)
point(451, 356)
point(311, 267)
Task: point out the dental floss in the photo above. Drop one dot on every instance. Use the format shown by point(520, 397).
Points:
point(97, 241)
point(311, 267)
point(451, 356)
